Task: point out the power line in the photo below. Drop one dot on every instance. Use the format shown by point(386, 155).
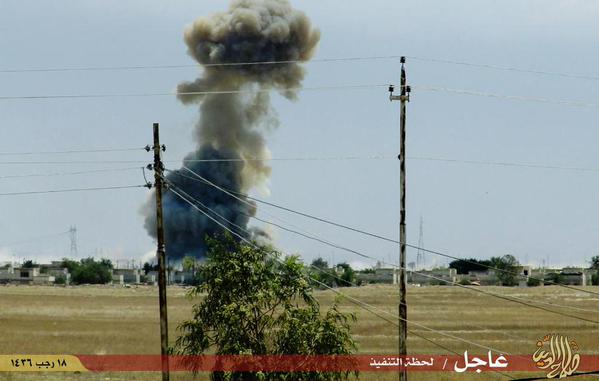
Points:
point(322, 158)
point(70, 190)
point(94, 150)
point(391, 157)
point(190, 93)
point(45, 162)
point(181, 66)
point(231, 193)
point(505, 68)
point(176, 191)
point(52, 174)
point(314, 60)
point(508, 97)
point(303, 158)
point(349, 283)
point(515, 300)
point(506, 164)
point(354, 301)
point(317, 88)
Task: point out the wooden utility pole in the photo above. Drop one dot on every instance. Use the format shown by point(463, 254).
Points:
point(161, 253)
point(404, 97)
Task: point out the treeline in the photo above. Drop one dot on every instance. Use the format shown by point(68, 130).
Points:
point(506, 268)
point(341, 275)
point(89, 271)
point(84, 271)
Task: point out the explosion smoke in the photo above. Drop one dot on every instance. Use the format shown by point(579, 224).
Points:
point(231, 125)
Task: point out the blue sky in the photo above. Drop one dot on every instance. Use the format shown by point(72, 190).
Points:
point(468, 210)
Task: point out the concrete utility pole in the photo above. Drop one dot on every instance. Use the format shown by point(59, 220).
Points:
point(404, 97)
point(161, 253)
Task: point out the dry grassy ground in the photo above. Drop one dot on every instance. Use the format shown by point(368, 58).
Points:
point(107, 320)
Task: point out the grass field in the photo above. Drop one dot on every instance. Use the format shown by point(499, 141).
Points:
point(115, 320)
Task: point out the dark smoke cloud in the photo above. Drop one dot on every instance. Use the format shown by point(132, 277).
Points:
point(232, 125)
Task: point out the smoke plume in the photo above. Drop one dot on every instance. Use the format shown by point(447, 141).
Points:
point(235, 112)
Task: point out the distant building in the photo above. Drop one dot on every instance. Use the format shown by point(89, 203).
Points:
point(377, 275)
point(443, 276)
point(57, 270)
point(25, 276)
point(576, 276)
point(130, 276)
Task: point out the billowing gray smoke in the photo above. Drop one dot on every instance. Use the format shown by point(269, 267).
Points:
point(231, 125)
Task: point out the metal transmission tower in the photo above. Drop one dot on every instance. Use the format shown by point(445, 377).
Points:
point(420, 257)
point(73, 238)
point(403, 98)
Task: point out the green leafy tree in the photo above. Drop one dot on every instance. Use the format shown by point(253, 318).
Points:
point(60, 279)
point(508, 267)
point(595, 262)
point(89, 271)
point(554, 278)
point(463, 266)
point(348, 276)
point(189, 263)
point(320, 263)
point(29, 264)
point(150, 267)
point(70, 265)
point(319, 270)
point(255, 302)
point(106, 263)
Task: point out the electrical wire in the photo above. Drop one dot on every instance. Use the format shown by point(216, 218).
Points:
point(478, 290)
point(305, 158)
point(45, 162)
point(52, 174)
point(521, 98)
point(505, 68)
point(317, 88)
point(353, 284)
point(223, 64)
point(70, 190)
point(175, 190)
point(232, 194)
point(389, 157)
point(314, 60)
point(506, 164)
point(94, 150)
point(321, 158)
point(515, 299)
point(190, 93)
point(169, 183)
point(354, 301)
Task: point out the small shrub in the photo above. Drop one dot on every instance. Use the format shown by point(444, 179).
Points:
point(61, 279)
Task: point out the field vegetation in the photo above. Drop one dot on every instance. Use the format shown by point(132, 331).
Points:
point(117, 320)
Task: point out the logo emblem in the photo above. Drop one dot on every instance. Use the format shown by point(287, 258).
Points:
point(558, 354)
